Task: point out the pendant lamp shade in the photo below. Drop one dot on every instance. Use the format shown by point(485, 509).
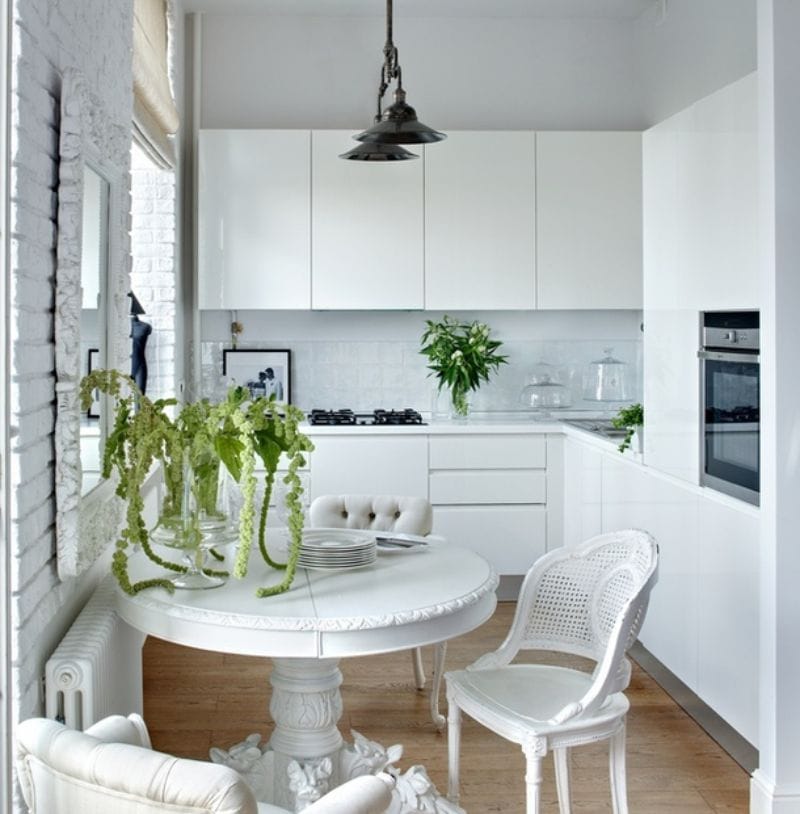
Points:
point(368, 151)
point(396, 125)
point(399, 125)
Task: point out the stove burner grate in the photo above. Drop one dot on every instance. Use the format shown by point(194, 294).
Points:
point(347, 418)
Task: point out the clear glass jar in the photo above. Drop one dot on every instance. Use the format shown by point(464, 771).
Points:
point(606, 379)
point(546, 391)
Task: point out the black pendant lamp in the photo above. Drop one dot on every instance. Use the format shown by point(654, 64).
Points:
point(368, 151)
point(396, 125)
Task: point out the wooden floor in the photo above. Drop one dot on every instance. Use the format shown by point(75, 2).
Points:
point(195, 699)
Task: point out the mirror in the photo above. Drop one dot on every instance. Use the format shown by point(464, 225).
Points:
point(91, 323)
point(94, 260)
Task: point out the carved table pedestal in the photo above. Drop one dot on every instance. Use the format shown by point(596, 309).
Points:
point(401, 602)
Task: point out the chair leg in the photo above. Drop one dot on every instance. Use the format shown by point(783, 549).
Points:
point(561, 758)
point(453, 749)
point(439, 653)
point(533, 783)
point(616, 759)
point(419, 672)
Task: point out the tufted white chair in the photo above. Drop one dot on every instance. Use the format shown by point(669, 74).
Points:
point(392, 514)
point(111, 768)
point(587, 601)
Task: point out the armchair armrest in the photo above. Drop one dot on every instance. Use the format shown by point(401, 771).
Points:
point(368, 794)
point(73, 771)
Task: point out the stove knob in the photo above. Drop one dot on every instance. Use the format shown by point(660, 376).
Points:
point(731, 336)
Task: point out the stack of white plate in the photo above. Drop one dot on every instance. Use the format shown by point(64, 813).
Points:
point(330, 549)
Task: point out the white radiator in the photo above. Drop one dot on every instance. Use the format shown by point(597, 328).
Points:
point(96, 670)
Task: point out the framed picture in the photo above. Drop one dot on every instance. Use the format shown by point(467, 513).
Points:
point(92, 362)
point(262, 372)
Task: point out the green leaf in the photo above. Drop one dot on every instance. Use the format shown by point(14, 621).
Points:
point(267, 448)
point(229, 448)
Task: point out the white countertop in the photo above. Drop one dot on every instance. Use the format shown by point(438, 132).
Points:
point(500, 423)
point(480, 423)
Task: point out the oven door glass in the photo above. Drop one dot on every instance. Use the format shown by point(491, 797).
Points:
point(732, 425)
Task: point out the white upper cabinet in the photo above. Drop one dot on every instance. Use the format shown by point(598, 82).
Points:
point(480, 240)
point(718, 199)
point(367, 229)
point(700, 181)
point(589, 220)
point(254, 211)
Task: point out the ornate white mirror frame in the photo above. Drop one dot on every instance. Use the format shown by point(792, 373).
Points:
point(85, 524)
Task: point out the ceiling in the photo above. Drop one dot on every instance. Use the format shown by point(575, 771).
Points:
point(612, 9)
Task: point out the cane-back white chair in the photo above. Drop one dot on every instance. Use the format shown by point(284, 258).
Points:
point(586, 601)
point(394, 515)
point(111, 769)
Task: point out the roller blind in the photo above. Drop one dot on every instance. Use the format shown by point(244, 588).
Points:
point(155, 117)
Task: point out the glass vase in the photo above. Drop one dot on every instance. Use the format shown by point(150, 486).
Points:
point(460, 406)
point(193, 520)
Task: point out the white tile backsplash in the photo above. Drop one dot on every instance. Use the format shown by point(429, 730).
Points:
point(363, 375)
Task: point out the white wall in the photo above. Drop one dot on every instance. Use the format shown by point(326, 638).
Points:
point(153, 272)
point(695, 48)
point(95, 36)
point(467, 73)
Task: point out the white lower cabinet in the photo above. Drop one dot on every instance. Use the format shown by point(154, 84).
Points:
point(634, 499)
point(369, 465)
point(727, 632)
point(492, 493)
point(702, 622)
point(511, 538)
point(582, 492)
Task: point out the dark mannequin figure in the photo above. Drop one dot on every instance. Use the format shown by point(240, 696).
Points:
point(139, 333)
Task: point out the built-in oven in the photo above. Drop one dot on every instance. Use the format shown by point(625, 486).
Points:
point(729, 379)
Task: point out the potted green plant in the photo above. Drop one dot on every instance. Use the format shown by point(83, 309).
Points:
point(630, 419)
point(462, 355)
point(190, 449)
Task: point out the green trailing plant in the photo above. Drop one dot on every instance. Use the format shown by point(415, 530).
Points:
point(628, 418)
point(235, 433)
point(462, 355)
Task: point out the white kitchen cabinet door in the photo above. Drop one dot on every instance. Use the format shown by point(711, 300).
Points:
point(728, 614)
point(511, 538)
point(582, 499)
point(634, 498)
point(488, 451)
point(480, 240)
point(254, 219)
point(589, 220)
point(700, 254)
point(718, 200)
point(367, 229)
point(369, 465)
point(489, 486)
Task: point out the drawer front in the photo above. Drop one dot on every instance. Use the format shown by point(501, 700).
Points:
point(373, 465)
point(488, 452)
point(511, 538)
point(493, 486)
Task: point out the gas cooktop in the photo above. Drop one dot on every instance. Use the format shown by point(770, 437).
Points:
point(377, 418)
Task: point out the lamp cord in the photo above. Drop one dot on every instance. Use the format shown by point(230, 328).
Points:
point(391, 63)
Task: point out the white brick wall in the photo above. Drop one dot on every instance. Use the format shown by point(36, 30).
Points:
point(153, 272)
point(94, 36)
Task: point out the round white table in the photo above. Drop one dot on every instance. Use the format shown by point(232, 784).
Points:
point(404, 600)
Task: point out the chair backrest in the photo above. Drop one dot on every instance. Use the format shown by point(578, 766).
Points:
point(589, 601)
point(62, 771)
point(400, 514)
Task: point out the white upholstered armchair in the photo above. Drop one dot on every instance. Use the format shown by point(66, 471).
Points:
point(111, 768)
point(394, 514)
